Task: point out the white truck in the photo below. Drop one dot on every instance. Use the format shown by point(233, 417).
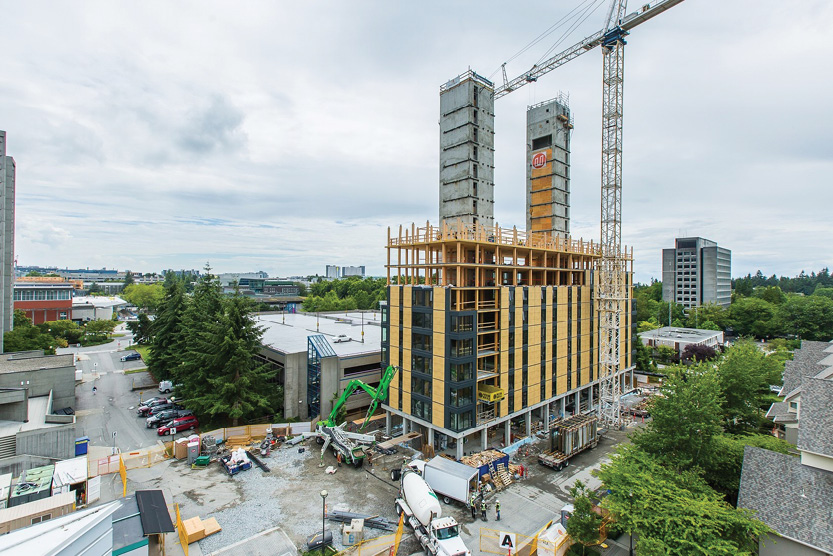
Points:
point(438, 535)
point(451, 480)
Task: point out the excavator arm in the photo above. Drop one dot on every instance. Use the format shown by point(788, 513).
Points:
point(378, 394)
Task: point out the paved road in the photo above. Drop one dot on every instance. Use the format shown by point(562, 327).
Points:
point(112, 407)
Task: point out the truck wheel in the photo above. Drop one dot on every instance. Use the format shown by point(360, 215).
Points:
point(559, 467)
point(567, 463)
point(446, 499)
point(319, 440)
point(395, 474)
point(357, 463)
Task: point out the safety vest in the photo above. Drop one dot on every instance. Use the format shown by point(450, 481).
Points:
point(483, 506)
point(497, 506)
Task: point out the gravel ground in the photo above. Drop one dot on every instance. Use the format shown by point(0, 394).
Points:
point(289, 497)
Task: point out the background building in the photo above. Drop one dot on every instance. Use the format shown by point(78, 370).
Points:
point(548, 127)
point(352, 271)
point(312, 368)
point(43, 302)
point(508, 332)
point(7, 194)
point(678, 338)
point(467, 151)
point(96, 307)
point(331, 272)
point(697, 272)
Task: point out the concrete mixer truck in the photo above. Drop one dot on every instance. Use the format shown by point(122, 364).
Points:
point(438, 535)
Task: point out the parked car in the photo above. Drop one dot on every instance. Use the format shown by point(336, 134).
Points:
point(135, 356)
point(775, 389)
point(145, 409)
point(181, 424)
point(151, 400)
point(156, 420)
point(341, 338)
point(166, 387)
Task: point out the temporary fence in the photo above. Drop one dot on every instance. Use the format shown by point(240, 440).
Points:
point(180, 528)
point(259, 431)
point(495, 542)
point(377, 546)
point(102, 465)
point(146, 457)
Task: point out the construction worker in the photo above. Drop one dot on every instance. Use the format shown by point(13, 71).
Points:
point(338, 458)
point(483, 510)
point(497, 509)
point(473, 505)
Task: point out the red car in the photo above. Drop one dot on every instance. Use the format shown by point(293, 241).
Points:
point(177, 425)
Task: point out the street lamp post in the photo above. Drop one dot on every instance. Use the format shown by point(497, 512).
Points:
point(323, 514)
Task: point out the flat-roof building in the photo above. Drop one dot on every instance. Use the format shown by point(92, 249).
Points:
point(679, 338)
point(44, 302)
point(697, 272)
point(312, 366)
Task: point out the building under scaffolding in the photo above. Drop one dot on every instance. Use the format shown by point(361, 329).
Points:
point(491, 326)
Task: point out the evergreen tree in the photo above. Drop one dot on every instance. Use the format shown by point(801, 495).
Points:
point(167, 328)
point(128, 279)
point(199, 322)
point(238, 386)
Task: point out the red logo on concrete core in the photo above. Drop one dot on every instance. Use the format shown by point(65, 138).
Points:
point(539, 160)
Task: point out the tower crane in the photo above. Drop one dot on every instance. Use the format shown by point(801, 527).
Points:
point(612, 271)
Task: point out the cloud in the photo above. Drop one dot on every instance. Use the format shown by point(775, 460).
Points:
point(289, 136)
point(213, 129)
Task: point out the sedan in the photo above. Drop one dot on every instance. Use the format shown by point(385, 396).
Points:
point(145, 410)
point(135, 356)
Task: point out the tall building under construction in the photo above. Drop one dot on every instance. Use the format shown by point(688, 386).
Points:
point(467, 151)
point(548, 127)
point(494, 327)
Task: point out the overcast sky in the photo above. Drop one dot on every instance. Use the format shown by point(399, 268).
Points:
point(284, 136)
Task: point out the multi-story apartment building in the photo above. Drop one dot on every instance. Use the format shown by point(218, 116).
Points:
point(697, 272)
point(490, 326)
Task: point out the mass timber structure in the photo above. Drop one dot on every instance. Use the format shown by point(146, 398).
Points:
point(492, 327)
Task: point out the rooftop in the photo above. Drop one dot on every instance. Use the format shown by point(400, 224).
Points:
point(37, 419)
point(814, 432)
point(288, 332)
point(794, 499)
point(684, 334)
point(805, 362)
point(98, 301)
point(8, 365)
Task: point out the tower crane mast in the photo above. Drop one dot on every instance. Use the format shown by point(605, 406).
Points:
point(611, 288)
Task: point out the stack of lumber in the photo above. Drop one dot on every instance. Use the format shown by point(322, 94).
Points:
point(239, 441)
point(505, 476)
point(482, 458)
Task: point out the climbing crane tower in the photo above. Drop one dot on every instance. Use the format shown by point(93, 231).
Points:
point(611, 287)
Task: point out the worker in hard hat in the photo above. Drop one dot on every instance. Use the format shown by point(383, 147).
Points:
point(497, 509)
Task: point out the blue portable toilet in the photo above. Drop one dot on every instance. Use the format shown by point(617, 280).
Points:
point(81, 445)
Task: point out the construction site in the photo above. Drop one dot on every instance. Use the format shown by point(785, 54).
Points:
point(507, 351)
point(504, 372)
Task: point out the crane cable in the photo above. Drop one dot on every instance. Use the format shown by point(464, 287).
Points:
point(587, 13)
point(554, 27)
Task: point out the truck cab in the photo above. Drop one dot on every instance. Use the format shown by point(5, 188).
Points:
point(446, 533)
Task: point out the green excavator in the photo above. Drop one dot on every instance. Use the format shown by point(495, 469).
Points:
point(377, 395)
point(351, 445)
